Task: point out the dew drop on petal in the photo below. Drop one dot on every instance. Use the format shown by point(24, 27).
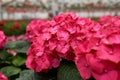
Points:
point(97, 44)
point(111, 52)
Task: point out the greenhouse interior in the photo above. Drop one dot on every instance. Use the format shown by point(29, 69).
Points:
point(59, 39)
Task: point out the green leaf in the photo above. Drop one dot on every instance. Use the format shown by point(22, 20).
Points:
point(31, 75)
point(20, 46)
point(10, 45)
point(18, 61)
point(10, 70)
point(68, 71)
point(4, 55)
point(28, 75)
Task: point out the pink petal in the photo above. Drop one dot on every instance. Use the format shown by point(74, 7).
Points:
point(29, 61)
point(95, 64)
point(106, 53)
point(110, 75)
point(52, 44)
point(13, 52)
point(114, 39)
point(83, 67)
point(55, 63)
point(46, 36)
point(63, 48)
point(63, 35)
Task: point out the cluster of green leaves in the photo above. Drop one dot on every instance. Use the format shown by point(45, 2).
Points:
point(11, 65)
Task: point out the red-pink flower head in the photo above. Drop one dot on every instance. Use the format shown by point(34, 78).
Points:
point(72, 32)
point(40, 57)
point(100, 50)
point(110, 42)
point(3, 77)
point(3, 39)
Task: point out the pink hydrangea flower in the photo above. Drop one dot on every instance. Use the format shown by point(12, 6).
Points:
point(3, 39)
point(89, 65)
point(40, 57)
point(3, 77)
point(73, 32)
point(100, 52)
point(110, 42)
point(83, 67)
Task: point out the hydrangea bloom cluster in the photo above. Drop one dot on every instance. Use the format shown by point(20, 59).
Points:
point(102, 60)
point(41, 54)
point(93, 46)
point(3, 39)
point(2, 77)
